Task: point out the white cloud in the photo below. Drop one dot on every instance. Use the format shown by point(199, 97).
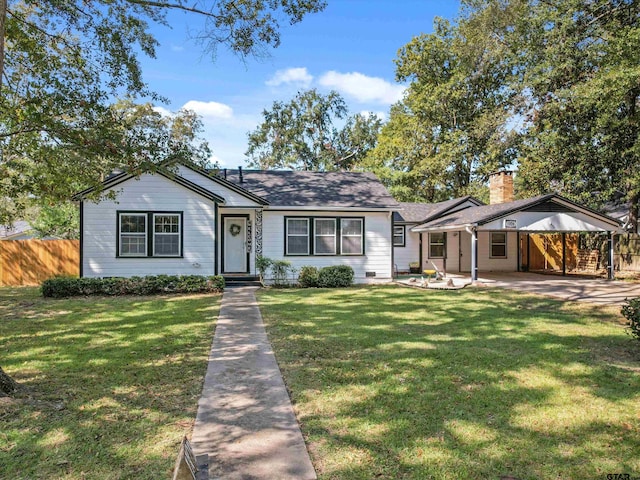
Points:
point(381, 115)
point(177, 48)
point(298, 76)
point(363, 88)
point(210, 110)
point(162, 111)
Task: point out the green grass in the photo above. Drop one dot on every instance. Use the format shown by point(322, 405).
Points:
point(400, 383)
point(111, 384)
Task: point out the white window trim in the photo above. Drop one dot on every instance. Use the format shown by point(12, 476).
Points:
point(360, 235)
point(178, 234)
point(443, 244)
point(316, 235)
point(121, 234)
point(403, 229)
point(492, 243)
point(297, 235)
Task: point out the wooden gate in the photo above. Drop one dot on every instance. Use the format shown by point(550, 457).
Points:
point(545, 251)
point(29, 262)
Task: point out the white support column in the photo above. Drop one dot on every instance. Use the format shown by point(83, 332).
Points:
point(610, 271)
point(474, 255)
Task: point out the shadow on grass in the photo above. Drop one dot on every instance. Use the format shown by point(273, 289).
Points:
point(111, 384)
point(397, 383)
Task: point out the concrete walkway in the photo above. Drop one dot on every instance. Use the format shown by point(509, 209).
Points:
point(245, 421)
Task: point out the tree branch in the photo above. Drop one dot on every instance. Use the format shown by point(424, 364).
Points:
point(174, 6)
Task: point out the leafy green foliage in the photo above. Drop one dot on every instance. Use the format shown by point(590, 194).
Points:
point(262, 265)
point(62, 220)
point(281, 270)
point(70, 287)
point(336, 276)
point(62, 62)
point(631, 311)
point(308, 276)
point(449, 131)
point(301, 134)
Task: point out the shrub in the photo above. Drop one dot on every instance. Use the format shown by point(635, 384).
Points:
point(263, 264)
point(631, 311)
point(281, 270)
point(334, 277)
point(69, 287)
point(308, 276)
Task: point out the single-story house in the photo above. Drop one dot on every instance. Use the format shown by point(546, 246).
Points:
point(188, 220)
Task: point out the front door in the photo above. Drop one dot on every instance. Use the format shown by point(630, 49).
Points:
point(465, 252)
point(234, 245)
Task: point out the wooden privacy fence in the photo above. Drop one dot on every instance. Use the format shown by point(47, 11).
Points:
point(29, 262)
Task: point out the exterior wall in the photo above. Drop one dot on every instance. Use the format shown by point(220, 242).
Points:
point(149, 193)
point(377, 244)
point(403, 256)
point(486, 264)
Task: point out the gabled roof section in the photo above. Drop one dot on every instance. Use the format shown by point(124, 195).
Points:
point(314, 189)
point(483, 214)
point(213, 175)
point(423, 212)
point(119, 178)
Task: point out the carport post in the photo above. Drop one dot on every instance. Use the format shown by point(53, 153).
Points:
point(474, 256)
point(610, 247)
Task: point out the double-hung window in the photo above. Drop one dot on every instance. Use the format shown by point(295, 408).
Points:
point(297, 236)
point(324, 236)
point(498, 245)
point(133, 234)
point(398, 236)
point(436, 244)
point(166, 235)
point(351, 233)
point(149, 234)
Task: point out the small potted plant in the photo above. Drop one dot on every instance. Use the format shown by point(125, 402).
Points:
point(414, 267)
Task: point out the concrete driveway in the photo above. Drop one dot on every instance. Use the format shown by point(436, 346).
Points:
point(582, 289)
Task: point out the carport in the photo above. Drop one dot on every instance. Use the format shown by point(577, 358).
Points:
point(488, 237)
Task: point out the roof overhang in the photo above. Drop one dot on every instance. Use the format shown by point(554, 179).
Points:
point(315, 208)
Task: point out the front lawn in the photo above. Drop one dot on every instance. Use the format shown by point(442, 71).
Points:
point(112, 384)
point(392, 383)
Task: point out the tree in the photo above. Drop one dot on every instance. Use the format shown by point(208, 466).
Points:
point(302, 134)
point(449, 132)
point(63, 62)
point(62, 220)
point(576, 67)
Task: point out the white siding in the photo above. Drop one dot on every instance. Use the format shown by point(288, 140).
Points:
point(149, 193)
point(403, 256)
point(378, 244)
point(232, 198)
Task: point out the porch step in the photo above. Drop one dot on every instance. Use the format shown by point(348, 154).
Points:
point(242, 280)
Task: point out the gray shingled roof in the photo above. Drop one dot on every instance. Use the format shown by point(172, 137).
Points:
point(422, 212)
point(314, 189)
point(486, 213)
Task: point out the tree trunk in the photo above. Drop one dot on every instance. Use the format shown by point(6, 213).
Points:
point(3, 18)
point(8, 385)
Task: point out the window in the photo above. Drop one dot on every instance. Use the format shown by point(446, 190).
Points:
point(149, 234)
point(498, 245)
point(133, 234)
point(325, 236)
point(436, 245)
point(297, 236)
point(166, 235)
point(351, 236)
point(398, 236)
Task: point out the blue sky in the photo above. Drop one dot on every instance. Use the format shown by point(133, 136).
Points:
point(349, 47)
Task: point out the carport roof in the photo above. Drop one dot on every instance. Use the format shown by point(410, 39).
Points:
point(481, 215)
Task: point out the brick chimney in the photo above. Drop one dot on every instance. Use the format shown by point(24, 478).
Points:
point(501, 187)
